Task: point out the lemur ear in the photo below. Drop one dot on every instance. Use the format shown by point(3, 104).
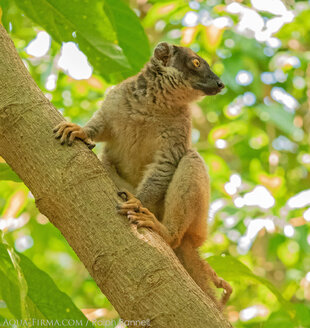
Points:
point(163, 52)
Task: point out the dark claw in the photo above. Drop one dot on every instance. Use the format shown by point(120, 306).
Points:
point(91, 146)
point(118, 207)
point(123, 195)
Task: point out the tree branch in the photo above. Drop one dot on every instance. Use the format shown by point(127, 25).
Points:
point(136, 270)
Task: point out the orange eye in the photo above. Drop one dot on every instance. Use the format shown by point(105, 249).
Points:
point(196, 62)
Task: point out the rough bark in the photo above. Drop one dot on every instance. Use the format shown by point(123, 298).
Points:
point(136, 270)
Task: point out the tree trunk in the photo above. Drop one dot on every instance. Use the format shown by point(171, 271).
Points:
point(136, 270)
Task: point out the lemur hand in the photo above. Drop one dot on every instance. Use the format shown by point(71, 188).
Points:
point(67, 132)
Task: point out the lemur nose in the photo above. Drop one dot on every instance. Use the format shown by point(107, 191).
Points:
point(220, 84)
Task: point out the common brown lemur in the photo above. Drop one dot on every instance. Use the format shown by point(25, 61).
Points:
point(146, 124)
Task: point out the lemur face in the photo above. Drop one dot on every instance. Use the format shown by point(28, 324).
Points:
point(194, 69)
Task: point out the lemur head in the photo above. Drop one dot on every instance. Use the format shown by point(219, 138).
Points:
point(194, 69)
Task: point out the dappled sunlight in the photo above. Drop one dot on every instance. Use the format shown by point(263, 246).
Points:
point(244, 77)
point(74, 62)
point(259, 196)
point(253, 312)
point(215, 207)
point(234, 183)
point(39, 46)
point(253, 228)
point(23, 243)
point(252, 23)
point(306, 215)
point(289, 230)
point(284, 98)
point(11, 224)
point(300, 200)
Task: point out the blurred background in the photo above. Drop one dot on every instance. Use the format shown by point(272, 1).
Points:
point(254, 137)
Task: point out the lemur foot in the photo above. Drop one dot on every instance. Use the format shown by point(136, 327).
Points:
point(144, 218)
point(67, 132)
point(135, 212)
point(131, 203)
point(221, 283)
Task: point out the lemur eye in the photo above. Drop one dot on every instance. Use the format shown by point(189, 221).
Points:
point(196, 62)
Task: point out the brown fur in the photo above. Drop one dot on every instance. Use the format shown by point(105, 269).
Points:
point(146, 124)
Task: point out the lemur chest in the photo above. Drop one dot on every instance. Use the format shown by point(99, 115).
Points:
point(132, 149)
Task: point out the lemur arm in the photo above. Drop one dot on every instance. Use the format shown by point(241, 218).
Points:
point(158, 175)
point(96, 129)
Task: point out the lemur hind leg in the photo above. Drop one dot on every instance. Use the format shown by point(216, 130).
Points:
point(202, 273)
point(185, 217)
point(184, 222)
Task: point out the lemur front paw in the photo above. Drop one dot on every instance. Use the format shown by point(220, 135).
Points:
point(67, 132)
point(135, 211)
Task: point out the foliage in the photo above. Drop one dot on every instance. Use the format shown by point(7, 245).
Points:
point(6, 173)
point(30, 293)
point(254, 138)
point(94, 32)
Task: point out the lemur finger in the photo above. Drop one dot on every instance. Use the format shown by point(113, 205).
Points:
point(56, 128)
point(129, 206)
point(140, 216)
point(72, 136)
point(60, 128)
point(122, 212)
point(66, 132)
point(134, 201)
point(146, 224)
point(133, 217)
point(77, 132)
point(145, 211)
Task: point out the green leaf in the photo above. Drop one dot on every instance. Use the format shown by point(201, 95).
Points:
point(4, 6)
point(5, 314)
point(45, 295)
point(3, 321)
point(85, 23)
point(6, 173)
point(231, 269)
point(303, 314)
point(31, 293)
point(11, 283)
point(279, 319)
point(282, 119)
point(130, 34)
